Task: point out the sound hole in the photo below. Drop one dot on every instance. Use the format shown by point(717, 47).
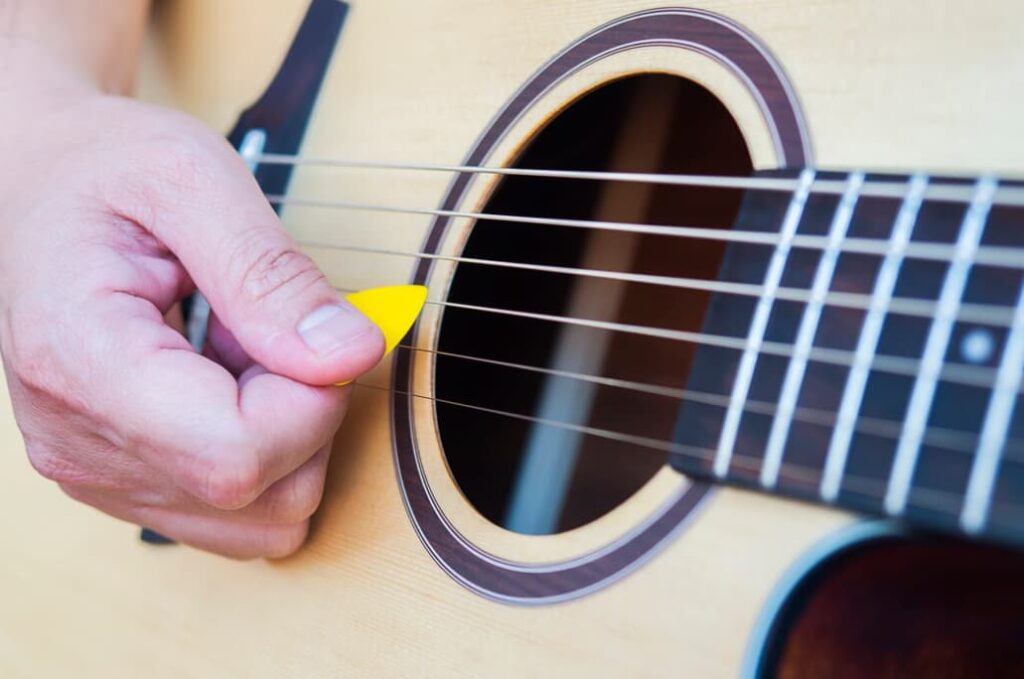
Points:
point(577, 449)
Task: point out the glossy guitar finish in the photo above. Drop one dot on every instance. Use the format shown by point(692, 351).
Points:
point(871, 85)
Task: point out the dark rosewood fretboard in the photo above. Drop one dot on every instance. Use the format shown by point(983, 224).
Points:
point(890, 384)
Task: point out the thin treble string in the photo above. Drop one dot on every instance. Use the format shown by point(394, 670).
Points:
point(923, 497)
point(990, 314)
point(938, 437)
point(897, 365)
point(1010, 196)
point(993, 255)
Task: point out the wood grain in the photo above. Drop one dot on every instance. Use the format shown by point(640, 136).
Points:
point(883, 85)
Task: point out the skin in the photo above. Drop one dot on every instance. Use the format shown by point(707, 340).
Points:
point(112, 211)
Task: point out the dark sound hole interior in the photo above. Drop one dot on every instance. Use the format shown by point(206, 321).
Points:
point(539, 478)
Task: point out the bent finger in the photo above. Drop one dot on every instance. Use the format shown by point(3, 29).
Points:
point(223, 442)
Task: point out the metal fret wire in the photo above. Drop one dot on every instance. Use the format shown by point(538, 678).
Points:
point(867, 343)
point(795, 371)
point(927, 381)
point(755, 342)
point(995, 427)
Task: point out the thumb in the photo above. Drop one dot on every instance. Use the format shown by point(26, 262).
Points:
point(206, 207)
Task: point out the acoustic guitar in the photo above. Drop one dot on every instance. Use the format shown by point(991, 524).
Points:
point(719, 374)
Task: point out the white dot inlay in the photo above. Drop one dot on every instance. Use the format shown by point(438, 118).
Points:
point(977, 346)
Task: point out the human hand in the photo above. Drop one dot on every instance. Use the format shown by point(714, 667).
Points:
point(112, 211)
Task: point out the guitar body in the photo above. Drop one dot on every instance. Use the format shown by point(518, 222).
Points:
point(706, 581)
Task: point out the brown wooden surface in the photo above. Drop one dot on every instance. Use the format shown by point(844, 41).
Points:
point(917, 609)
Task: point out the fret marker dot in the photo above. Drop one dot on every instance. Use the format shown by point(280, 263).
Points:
point(977, 346)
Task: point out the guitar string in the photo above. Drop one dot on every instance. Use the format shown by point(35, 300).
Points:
point(938, 437)
point(922, 497)
point(989, 314)
point(897, 365)
point(993, 255)
point(1007, 196)
point(695, 453)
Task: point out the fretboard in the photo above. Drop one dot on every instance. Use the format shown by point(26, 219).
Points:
point(881, 367)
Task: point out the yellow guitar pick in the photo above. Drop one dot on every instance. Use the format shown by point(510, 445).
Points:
point(393, 309)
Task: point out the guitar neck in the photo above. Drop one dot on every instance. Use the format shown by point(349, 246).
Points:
point(880, 365)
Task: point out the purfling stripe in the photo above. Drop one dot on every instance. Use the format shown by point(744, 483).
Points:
point(518, 583)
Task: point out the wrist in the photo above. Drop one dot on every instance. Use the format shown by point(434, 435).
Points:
point(30, 66)
point(93, 42)
point(35, 78)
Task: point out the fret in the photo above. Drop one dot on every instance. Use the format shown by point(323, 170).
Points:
point(1005, 516)
point(803, 453)
point(941, 471)
point(804, 450)
point(997, 423)
point(871, 330)
point(758, 325)
point(1002, 514)
point(770, 371)
point(713, 370)
point(923, 393)
point(946, 454)
point(808, 328)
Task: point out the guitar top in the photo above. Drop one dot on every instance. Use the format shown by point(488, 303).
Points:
point(719, 373)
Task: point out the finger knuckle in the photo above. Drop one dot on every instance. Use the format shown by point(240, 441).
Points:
point(32, 358)
point(281, 541)
point(53, 466)
point(233, 482)
point(275, 271)
point(180, 161)
point(300, 498)
point(185, 155)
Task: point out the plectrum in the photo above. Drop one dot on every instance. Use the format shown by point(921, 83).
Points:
point(393, 309)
